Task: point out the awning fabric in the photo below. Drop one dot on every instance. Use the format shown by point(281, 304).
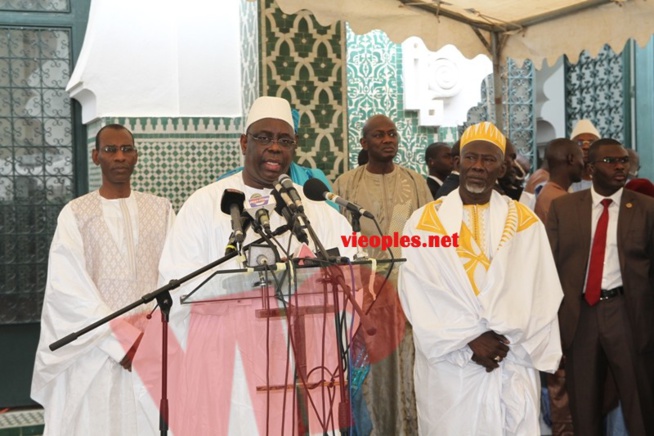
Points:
point(520, 29)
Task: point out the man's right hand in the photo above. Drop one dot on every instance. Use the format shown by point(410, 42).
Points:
point(489, 349)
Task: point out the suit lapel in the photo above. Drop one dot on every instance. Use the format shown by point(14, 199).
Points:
point(584, 223)
point(625, 218)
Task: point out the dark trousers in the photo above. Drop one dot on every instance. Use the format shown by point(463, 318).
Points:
point(603, 342)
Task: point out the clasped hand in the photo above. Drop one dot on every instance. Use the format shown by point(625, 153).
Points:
point(489, 349)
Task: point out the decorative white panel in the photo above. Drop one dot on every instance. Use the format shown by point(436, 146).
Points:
point(442, 86)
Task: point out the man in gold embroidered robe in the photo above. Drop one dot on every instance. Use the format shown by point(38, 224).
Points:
point(483, 326)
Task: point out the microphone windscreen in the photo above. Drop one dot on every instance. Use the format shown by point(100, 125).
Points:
point(232, 196)
point(279, 202)
point(283, 177)
point(314, 189)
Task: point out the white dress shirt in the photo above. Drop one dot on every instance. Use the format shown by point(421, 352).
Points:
point(611, 276)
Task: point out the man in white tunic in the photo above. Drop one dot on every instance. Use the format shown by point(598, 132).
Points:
point(483, 326)
point(215, 377)
point(104, 255)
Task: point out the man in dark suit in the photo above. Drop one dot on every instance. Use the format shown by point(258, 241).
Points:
point(438, 157)
point(451, 182)
point(603, 244)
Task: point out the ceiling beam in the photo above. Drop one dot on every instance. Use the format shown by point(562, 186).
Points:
point(537, 19)
point(440, 9)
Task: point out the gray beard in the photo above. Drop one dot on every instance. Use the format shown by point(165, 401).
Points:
point(475, 189)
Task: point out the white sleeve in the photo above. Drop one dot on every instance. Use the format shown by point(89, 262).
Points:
point(71, 303)
point(443, 322)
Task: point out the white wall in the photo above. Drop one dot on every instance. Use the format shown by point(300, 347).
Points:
point(155, 58)
point(443, 85)
point(549, 86)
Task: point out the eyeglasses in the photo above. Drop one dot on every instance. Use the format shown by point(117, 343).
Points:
point(614, 160)
point(582, 142)
point(265, 141)
point(112, 149)
point(381, 135)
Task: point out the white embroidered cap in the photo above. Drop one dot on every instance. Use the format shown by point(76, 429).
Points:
point(584, 126)
point(269, 107)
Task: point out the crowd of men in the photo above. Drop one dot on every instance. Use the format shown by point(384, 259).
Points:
point(552, 276)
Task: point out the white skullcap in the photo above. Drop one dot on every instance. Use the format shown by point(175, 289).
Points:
point(269, 107)
point(584, 126)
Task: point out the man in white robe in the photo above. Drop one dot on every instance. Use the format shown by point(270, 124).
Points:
point(218, 360)
point(104, 256)
point(483, 324)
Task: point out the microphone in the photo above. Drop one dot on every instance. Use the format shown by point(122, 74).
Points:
point(316, 190)
point(287, 183)
point(231, 243)
point(259, 208)
point(281, 196)
point(232, 204)
point(284, 211)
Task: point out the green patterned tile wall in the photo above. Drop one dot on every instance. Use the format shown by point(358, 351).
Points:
point(374, 83)
point(304, 62)
point(249, 53)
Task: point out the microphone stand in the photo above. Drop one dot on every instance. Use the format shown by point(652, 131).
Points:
point(164, 300)
point(336, 277)
point(356, 227)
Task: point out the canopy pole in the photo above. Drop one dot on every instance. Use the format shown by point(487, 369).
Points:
point(496, 54)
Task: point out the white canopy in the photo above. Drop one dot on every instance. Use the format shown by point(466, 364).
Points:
point(519, 29)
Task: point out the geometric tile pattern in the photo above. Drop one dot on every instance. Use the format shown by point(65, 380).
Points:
point(483, 111)
point(303, 62)
point(595, 91)
point(36, 160)
point(375, 86)
point(518, 108)
point(22, 418)
point(249, 53)
point(35, 5)
point(176, 155)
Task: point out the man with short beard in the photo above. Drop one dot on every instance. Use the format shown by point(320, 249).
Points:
point(603, 244)
point(482, 328)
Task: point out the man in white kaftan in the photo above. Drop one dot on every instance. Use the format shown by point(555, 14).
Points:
point(218, 360)
point(483, 325)
point(104, 255)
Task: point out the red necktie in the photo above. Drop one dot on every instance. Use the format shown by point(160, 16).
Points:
point(596, 264)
